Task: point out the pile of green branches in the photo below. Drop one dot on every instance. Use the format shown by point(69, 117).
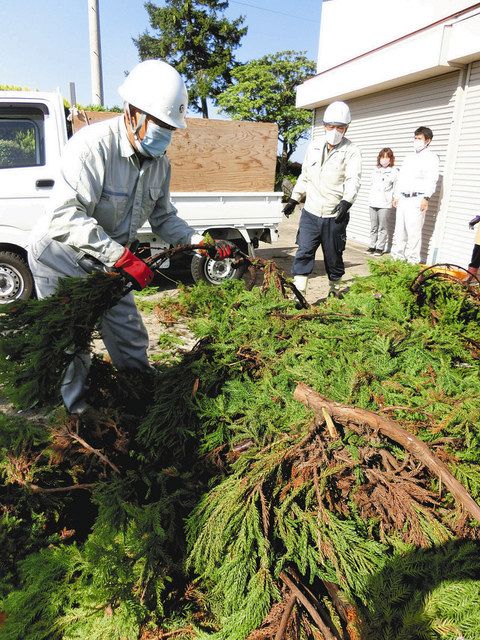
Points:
point(229, 510)
point(39, 338)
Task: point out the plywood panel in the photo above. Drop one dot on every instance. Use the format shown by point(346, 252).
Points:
point(217, 155)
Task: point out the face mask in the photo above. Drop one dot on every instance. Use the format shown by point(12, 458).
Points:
point(385, 162)
point(419, 145)
point(333, 137)
point(156, 140)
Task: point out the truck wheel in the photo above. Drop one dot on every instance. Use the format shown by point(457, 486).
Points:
point(16, 281)
point(217, 271)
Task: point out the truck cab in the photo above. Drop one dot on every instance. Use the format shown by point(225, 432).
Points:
point(32, 134)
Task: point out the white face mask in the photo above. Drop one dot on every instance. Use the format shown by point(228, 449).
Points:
point(419, 144)
point(333, 137)
point(385, 162)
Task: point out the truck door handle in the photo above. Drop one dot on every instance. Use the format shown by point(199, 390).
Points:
point(44, 183)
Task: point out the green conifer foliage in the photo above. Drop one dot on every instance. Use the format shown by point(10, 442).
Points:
point(39, 338)
point(227, 483)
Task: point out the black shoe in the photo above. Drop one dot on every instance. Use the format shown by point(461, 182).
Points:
point(378, 252)
point(370, 250)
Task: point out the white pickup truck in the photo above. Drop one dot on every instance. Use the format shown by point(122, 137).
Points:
point(33, 131)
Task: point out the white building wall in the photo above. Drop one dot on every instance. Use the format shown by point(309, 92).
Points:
point(352, 27)
point(462, 198)
point(389, 119)
point(401, 64)
point(358, 56)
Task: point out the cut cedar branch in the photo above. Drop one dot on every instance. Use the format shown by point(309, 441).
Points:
point(349, 416)
point(40, 338)
point(223, 508)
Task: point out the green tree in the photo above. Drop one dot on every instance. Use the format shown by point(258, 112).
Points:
point(264, 91)
point(198, 40)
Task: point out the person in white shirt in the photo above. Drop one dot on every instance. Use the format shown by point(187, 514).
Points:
point(329, 181)
point(415, 186)
point(380, 200)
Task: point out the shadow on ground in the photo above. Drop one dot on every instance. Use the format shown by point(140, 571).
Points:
point(427, 594)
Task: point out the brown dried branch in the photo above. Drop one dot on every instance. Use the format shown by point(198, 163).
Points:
point(272, 274)
point(95, 452)
point(265, 513)
point(272, 622)
point(287, 612)
point(349, 616)
point(347, 612)
point(315, 615)
point(34, 488)
point(314, 315)
point(362, 417)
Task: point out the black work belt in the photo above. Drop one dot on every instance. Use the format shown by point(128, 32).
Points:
point(412, 195)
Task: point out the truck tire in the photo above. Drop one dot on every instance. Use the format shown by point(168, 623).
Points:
point(16, 281)
point(217, 271)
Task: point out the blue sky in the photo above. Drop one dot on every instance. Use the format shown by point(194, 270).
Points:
point(44, 43)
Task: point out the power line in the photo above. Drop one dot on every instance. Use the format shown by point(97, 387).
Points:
point(254, 6)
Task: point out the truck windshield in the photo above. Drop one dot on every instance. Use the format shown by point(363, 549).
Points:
point(21, 139)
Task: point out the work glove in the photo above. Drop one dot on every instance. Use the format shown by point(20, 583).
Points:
point(219, 250)
point(134, 269)
point(289, 208)
point(341, 211)
point(474, 221)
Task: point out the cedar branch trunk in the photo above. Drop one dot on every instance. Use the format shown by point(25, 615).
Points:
point(362, 417)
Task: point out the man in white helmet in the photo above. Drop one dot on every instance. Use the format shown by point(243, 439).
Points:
point(114, 177)
point(329, 181)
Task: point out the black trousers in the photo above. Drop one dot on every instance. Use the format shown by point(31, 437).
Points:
point(475, 263)
point(314, 232)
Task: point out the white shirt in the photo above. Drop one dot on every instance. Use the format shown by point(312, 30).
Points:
point(418, 174)
point(327, 178)
point(103, 195)
point(383, 185)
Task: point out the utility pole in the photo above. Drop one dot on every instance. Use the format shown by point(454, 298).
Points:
point(95, 52)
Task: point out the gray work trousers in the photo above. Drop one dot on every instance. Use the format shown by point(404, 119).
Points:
point(121, 328)
point(379, 228)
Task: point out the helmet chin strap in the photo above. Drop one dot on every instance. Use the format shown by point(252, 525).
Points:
point(139, 124)
point(138, 145)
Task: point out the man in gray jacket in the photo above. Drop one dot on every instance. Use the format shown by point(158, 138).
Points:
point(114, 177)
point(330, 181)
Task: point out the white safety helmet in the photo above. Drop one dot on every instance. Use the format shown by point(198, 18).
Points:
point(156, 88)
point(337, 113)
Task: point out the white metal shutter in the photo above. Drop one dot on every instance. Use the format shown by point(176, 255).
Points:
point(456, 240)
point(389, 119)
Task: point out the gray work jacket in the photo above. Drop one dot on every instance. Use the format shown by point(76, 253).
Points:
point(328, 178)
point(103, 195)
